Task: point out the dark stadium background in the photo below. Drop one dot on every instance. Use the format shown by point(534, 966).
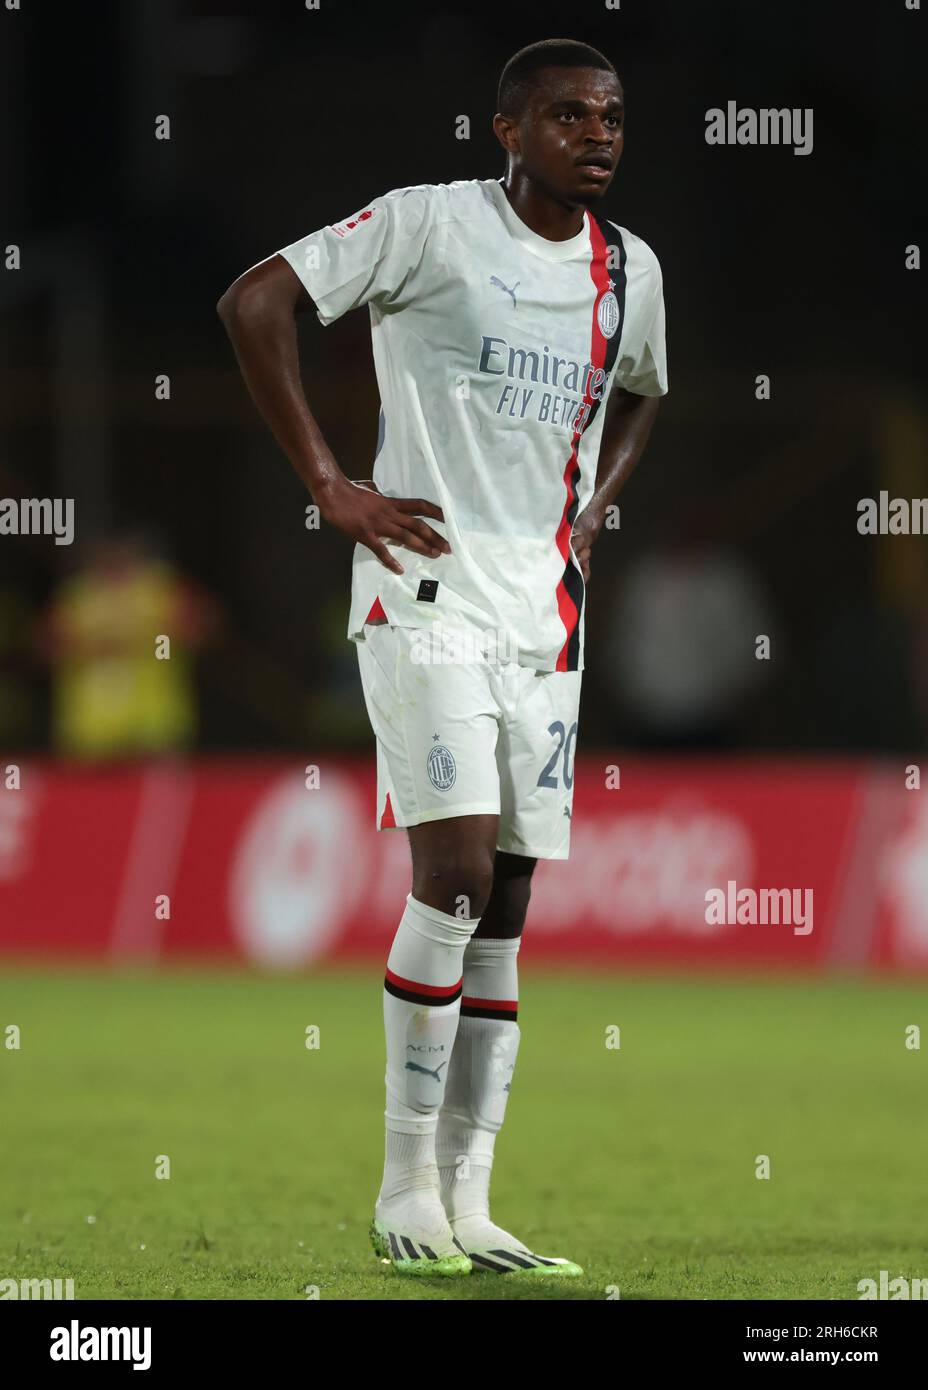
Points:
point(285, 120)
point(129, 1032)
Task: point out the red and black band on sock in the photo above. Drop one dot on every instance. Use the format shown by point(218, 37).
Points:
point(415, 993)
point(505, 1010)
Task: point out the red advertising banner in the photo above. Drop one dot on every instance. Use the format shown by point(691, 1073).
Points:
point(803, 865)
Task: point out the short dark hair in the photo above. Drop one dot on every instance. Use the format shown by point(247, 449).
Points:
point(520, 73)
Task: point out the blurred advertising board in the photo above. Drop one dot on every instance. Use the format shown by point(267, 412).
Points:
point(697, 862)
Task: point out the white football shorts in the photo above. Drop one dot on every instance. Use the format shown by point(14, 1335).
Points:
point(472, 736)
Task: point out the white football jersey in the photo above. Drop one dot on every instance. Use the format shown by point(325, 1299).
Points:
point(495, 349)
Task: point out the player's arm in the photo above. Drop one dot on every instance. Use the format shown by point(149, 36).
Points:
point(626, 428)
point(259, 312)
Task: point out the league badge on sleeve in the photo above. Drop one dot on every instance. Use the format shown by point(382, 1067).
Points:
point(351, 224)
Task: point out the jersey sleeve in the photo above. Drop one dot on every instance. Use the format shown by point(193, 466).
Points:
point(369, 258)
point(642, 365)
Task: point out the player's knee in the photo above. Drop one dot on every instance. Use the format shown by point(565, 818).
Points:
point(507, 908)
point(459, 884)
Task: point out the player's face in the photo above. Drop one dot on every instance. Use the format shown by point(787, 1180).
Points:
point(572, 133)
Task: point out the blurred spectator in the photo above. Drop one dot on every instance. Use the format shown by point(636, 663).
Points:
point(113, 694)
point(683, 660)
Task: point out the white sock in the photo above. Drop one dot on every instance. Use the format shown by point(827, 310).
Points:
point(480, 1075)
point(421, 1008)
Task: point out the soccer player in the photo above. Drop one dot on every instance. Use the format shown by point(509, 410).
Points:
point(518, 342)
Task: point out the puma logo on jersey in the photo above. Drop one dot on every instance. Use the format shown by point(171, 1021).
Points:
point(499, 285)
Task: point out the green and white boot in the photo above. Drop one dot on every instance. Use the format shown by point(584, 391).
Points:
point(496, 1251)
point(413, 1234)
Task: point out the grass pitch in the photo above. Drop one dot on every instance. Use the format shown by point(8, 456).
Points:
point(637, 1162)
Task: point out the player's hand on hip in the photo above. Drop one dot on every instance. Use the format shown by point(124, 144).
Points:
point(362, 512)
point(585, 530)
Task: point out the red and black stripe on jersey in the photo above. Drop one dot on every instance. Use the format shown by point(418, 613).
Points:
point(607, 247)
